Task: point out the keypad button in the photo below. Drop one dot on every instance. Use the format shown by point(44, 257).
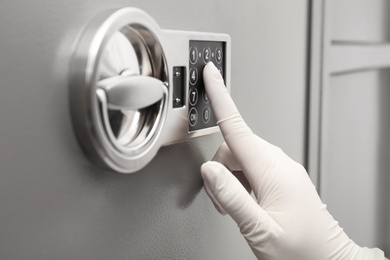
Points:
point(206, 54)
point(220, 70)
point(206, 115)
point(193, 97)
point(205, 97)
point(193, 55)
point(218, 55)
point(193, 116)
point(193, 76)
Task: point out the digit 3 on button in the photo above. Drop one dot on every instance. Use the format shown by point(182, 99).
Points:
point(218, 55)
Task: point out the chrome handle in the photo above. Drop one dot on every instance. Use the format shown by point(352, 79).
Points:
point(132, 92)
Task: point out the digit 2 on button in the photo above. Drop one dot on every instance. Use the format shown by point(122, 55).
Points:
point(206, 55)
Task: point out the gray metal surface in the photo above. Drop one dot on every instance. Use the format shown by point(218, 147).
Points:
point(55, 204)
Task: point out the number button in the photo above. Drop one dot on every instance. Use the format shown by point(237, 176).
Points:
point(206, 115)
point(193, 96)
point(205, 97)
point(193, 55)
point(193, 76)
point(218, 55)
point(193, 116)
point(206, 55)
point(220, 70)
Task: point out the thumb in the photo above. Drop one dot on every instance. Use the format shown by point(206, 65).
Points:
point(228, 193)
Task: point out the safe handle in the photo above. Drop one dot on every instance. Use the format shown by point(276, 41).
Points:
point(132, 92)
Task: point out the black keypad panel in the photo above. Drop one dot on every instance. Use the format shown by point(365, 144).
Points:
point(200, 114)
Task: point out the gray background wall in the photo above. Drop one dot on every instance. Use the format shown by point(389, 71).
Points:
point(356, 155)
point(353, 95)
point(55, 204)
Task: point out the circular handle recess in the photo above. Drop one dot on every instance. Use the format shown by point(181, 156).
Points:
point(118, 90)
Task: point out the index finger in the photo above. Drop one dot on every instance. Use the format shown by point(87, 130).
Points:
point(245, 146)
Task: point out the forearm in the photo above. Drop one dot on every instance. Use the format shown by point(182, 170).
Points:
point(288, 219)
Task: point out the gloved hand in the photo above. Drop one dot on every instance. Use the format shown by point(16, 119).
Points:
point(288, 220)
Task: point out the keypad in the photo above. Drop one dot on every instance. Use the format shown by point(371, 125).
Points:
point(200, 113)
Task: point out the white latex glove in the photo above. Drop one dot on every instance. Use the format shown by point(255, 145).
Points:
point(288, 220)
